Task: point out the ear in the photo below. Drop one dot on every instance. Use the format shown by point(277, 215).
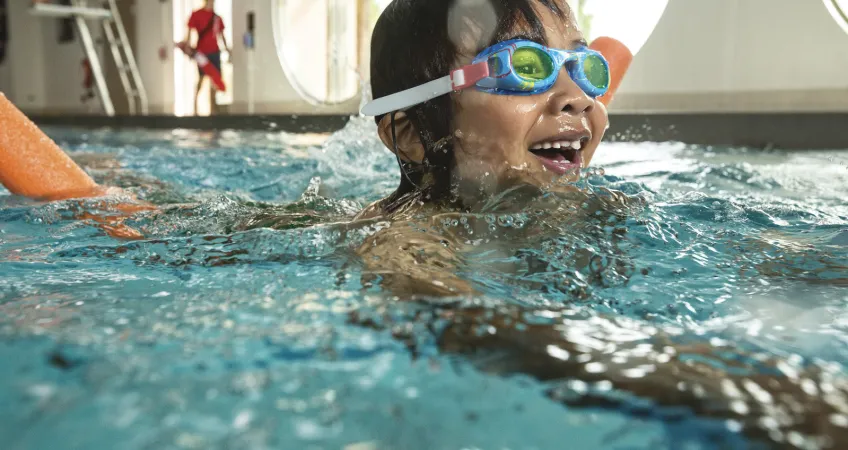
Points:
point(409, 144)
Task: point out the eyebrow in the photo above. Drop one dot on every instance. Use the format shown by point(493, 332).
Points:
point(579, 42)
point(520, 35)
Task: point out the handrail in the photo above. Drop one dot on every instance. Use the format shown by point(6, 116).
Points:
point(51, 10)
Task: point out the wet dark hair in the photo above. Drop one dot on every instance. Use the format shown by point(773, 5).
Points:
point(412, 44)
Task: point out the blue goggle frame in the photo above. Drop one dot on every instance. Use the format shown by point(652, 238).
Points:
point(508, 82)
point(492, 71)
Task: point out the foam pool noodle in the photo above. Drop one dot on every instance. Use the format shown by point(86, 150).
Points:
point(32, 165)
point(619, 58)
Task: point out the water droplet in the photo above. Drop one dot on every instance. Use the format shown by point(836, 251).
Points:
point(604, 385)
point(739, 407)
point(595, 367)
point(840, 420)
point(242, 420)
point(733, 426)
point(558, 352)
point(505, 221)
point(769, 423)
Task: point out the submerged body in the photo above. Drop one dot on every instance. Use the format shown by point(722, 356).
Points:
point(691, 279)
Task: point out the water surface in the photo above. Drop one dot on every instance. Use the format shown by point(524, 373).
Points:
point(230, 324)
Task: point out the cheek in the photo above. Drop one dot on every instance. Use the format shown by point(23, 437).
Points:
point(599, 118)
point(491, 129)
point(598, 122)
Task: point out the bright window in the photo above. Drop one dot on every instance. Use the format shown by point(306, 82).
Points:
point(629, 21)
point(839, 10)
point(319, 47)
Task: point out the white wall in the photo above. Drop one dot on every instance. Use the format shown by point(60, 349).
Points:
point(155, 31)
point(5, 75)
point(63, 71)
point(732, 55)
point(42, 75)
point(26, 35)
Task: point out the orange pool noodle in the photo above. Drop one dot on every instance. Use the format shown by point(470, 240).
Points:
point(32, 165)
point(619, 58)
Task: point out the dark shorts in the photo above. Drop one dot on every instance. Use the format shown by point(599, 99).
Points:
point(214, 59)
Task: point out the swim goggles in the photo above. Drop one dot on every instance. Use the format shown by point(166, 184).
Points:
point(514, 67)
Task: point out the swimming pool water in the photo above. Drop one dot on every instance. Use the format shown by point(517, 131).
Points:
point(231, 324)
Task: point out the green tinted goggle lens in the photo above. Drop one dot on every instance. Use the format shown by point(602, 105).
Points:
point(532, 64)
point(596, 71)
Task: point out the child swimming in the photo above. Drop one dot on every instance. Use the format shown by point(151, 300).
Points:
point(462, 152)
point(526, 117)
point(537, 120)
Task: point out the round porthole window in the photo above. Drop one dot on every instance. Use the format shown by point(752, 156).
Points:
point(839, 10)
point(322, 46)
point(316, 44)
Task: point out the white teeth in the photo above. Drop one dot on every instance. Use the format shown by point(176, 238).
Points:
point(576, 145)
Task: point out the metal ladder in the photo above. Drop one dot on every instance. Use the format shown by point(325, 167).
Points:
point(125, 60)
point(116, 37)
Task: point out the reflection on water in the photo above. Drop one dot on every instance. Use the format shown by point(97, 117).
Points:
point(682, 298)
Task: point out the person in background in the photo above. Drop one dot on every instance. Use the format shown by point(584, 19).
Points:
point(209, 27)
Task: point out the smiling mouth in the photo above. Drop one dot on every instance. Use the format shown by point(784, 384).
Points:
point(560, 157)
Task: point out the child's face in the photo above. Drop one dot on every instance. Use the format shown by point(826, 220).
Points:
point(495, 133)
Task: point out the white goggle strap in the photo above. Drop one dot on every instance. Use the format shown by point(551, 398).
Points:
point(459, 79)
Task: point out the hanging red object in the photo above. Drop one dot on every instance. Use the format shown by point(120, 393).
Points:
point(203, 62)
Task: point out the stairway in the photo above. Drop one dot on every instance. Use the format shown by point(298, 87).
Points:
point(119, 46)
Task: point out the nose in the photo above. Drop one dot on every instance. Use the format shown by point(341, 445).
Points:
point(568, 98)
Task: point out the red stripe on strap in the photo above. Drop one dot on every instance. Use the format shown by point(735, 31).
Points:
point(469, 75)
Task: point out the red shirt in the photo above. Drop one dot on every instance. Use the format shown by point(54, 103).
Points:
point(200, 20)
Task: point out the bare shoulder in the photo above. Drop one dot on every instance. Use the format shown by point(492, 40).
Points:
point(410, 260)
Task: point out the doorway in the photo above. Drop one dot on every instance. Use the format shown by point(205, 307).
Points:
point(185, 70)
